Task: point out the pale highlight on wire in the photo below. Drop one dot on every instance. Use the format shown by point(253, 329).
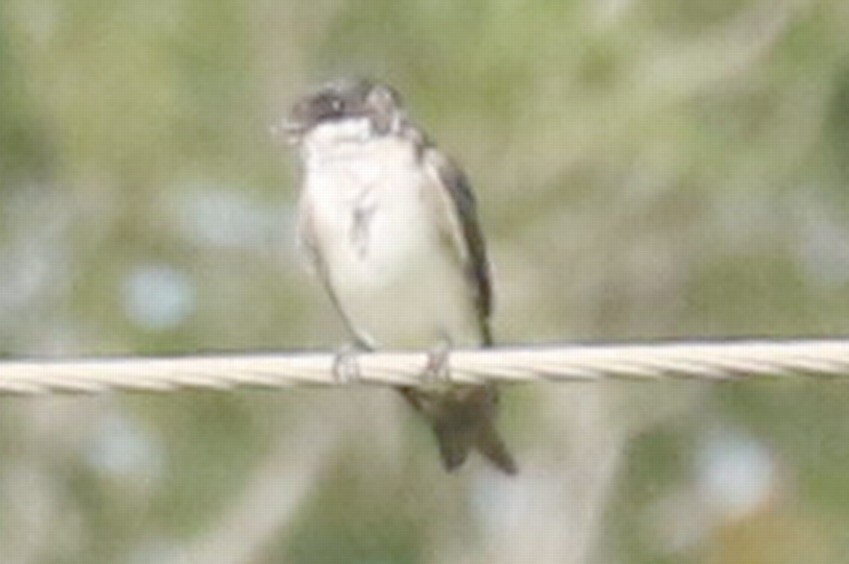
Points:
point(698, 361)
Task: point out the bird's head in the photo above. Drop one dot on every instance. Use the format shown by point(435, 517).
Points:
point(354, 107)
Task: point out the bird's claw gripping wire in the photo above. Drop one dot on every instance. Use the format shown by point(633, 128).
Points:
point(346, 369)
point(438, 368)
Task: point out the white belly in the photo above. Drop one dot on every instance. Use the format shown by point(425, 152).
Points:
point(396, 282)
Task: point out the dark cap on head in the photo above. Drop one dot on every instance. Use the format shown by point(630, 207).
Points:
point(347, 98)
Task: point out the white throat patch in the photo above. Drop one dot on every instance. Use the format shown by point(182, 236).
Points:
point(329, 137)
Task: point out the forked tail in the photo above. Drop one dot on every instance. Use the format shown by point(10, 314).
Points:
point(463, 419)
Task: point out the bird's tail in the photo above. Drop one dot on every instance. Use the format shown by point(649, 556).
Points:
point(463, 419)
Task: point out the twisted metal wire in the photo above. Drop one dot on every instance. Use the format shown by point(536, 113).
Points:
point(705, 361)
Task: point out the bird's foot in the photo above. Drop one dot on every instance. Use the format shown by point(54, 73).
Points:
point(438, 368)
point(346, 369)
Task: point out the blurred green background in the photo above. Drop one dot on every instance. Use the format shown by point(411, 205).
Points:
point(646, 169)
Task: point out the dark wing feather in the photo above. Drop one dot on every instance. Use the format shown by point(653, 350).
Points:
point(463, 229)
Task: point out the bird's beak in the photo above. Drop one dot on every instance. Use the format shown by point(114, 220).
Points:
point(289, 129)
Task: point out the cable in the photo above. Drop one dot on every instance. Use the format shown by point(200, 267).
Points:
point(705, 361)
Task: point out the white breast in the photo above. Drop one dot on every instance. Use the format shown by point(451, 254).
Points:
point(395, 280)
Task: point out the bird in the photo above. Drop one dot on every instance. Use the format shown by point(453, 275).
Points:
point(389, 225)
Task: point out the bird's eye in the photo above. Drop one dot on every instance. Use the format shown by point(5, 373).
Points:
point(336, 105)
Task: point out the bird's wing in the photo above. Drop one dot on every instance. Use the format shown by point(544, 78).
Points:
point(310, 246)
point(455, 208)
point(307, 238)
